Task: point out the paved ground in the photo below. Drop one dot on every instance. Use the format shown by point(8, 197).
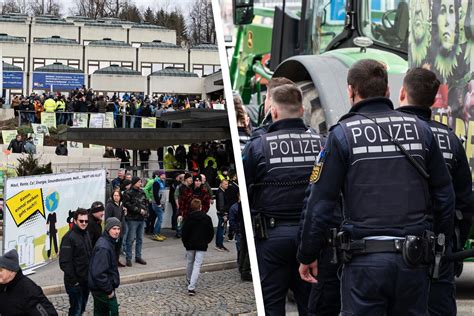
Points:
point(167, 256)
point(218, 293)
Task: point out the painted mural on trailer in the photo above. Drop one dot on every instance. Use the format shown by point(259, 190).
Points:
point(39, 209)
point(442, 40)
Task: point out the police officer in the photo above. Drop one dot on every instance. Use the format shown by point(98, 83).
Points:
point(267, 119)
point(277, 165)
point(416, 97)
point(392, 176)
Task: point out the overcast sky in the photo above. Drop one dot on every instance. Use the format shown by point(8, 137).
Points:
point(185, 5)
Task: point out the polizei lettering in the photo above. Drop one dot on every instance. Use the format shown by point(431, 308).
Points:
point(290, 148)
point(374, 134)
point(368, 138)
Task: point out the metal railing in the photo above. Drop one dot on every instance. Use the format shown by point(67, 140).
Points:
point(121, 120)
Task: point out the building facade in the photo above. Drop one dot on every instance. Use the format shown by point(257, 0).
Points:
point(32, 43)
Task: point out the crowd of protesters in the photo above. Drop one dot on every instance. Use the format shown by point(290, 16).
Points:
point(85, 100)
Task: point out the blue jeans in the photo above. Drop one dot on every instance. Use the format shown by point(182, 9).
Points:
point(135, 231)
point(220, 232)
point(124, 236)
point(237, 246)
point(159, 218)
point(78, 296)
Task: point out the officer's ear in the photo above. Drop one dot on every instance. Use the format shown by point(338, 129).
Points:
point(387, 92)
point(403, 95)
point(351, 94)
point(274, 112)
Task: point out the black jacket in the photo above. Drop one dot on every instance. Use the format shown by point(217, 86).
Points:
point(23, 297)
point(74, 256)
point(17, 147)
point(134, 201)
point(103, 271)
point(221, 204)
point(197, 231)
point(61, 150)
point(114, 210)
point(94, 228)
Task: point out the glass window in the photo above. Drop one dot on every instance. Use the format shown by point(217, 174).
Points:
point(198, 69)
point(85, 42)
point(38, 62)
point(73, 63)
point(146, 69)
point(8, 60)
point(179, 66)
point(208, 69)
point(93, 65)
point(103, 64)
point(157, 66)
point(387, 22)
point(19, 62)
point(127, 64)
point(50, 61)
point(136, 44)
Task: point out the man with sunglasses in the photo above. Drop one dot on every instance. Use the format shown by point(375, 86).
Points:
point(74, 257)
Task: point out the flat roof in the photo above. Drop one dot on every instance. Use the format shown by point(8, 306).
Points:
point(144, 138)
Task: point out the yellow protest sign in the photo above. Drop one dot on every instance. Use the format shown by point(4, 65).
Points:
point(148, 122)
point(24, 204)
point(8, 136)
point(48, 119)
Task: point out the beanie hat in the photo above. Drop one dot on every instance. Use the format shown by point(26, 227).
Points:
point(158, 173)
point(111, 222)
point(135, 180)
point(198, 177)
point(9, 261)
point(97, 206)
point(126, 182)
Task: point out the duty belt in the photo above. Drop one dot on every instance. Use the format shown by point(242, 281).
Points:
point(366, 246)
point(273, 222)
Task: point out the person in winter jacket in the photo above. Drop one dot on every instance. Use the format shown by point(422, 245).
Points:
point(134, 200)
point(114, 208)
point(61, 149)
point(17, 146)
point(104, 276)
point(197, 233)
point(19, 295)
point(74, 257)
point(96, 216)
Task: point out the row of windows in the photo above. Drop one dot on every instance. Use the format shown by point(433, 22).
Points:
point(41, 62)
point(148, 68)
point(93, 65)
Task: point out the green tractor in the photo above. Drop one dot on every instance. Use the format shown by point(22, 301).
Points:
point(316, 43)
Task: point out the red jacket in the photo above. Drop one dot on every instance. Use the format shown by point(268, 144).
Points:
point(187, 194)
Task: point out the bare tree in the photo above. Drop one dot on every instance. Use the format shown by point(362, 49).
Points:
point(14, 6)
point(98, 8)
point(202, 29)
point(39, 7)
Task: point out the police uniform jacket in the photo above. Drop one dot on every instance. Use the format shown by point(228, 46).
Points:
point(384, 194)
point(277, 166)
point(456, 161)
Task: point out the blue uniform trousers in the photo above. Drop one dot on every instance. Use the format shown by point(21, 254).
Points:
point(382, 284)
point(325, 296)
point(442, 299)
point(278, 269)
